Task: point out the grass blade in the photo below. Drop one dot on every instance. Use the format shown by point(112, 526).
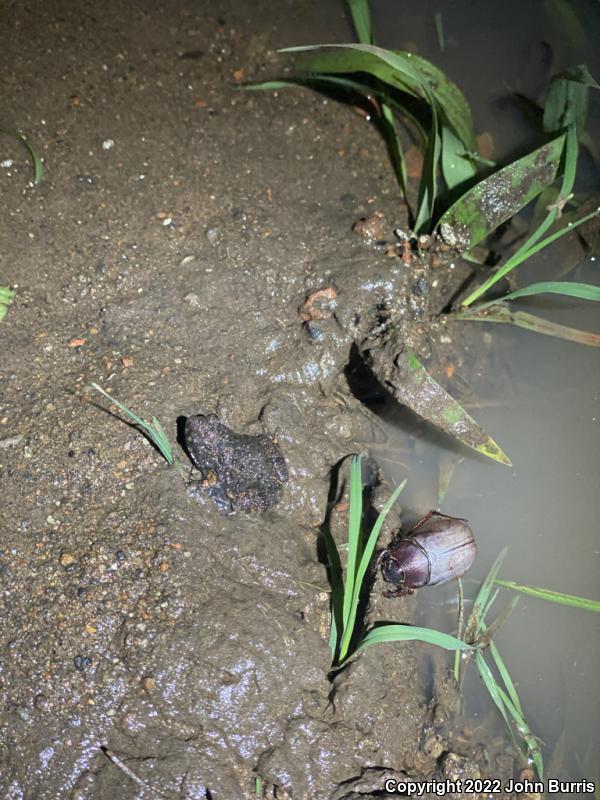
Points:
point(365, 560)
point(155, 432)
point(409, 633)
point(554, 597)
point(361, 17)
point(336, 581)
point(482, 601)
point(428, 186)
point(584, 291)
point(497, 312)
point(504, 674)
point(529, 739)
point(354, 538)
point(38, 170)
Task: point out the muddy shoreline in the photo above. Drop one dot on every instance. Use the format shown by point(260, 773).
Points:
point(180, 227)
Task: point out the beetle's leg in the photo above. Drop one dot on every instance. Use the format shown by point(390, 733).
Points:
point(401, 591)
point(427, 516)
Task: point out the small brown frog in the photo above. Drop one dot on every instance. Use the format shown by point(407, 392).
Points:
point(239, 472)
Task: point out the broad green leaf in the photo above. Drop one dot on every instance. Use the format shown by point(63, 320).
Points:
point(454, 109)
point(567, 100)
point(361, 18)
point(414, 387)
point(402, 70)
point(38, 170)
point(497, 198)
point(409, 633)
point(6, 298)
point(497, 312)
point(554, 597)
point(584, 291)
point(457, 166)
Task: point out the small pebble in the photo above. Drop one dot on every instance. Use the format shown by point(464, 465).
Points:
point(149, 684)
point(120, 555)
point(108, 144)
point(40, 701)
point(81, 662)
point(67, 559)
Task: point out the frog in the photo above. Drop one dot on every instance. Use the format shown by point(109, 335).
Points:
point(240, 472)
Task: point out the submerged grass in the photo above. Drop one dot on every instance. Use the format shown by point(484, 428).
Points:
point(153, 431)
point(497, 680)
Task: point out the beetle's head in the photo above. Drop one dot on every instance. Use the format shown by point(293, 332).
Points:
point(391, 570)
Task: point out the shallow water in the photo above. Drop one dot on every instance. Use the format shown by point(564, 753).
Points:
point(539, 397)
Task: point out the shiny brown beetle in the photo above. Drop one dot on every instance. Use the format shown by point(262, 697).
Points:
point(437, 550)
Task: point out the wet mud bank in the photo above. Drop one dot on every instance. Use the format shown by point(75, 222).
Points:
point(191, 251)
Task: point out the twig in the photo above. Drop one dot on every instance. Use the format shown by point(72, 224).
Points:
point(130, 774)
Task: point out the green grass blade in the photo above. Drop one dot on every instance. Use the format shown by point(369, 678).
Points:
point(497, 312)
point(585, 291)
point(529, 739)
point(354, 537)
point(428, 187)
point(365, 560)
point(491, 685)
point(156, 435)
point(361, 17)
point(482, 601)
point(38, 170)
point(500, 196)
point(336, 582)
point(409, 633)
point(575, 601)
point(7, 295)
point(412, 386)
point(439, 31)
point(395, 148)
point(505, 675)
point(521, 256)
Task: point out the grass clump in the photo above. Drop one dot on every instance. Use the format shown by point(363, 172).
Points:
point(349, 584)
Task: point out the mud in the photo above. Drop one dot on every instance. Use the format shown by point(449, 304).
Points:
point(151, 646)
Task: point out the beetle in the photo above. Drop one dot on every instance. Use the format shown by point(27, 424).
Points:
point(438, 549)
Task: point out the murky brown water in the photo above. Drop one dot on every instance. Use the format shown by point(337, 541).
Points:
point(539, 397)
